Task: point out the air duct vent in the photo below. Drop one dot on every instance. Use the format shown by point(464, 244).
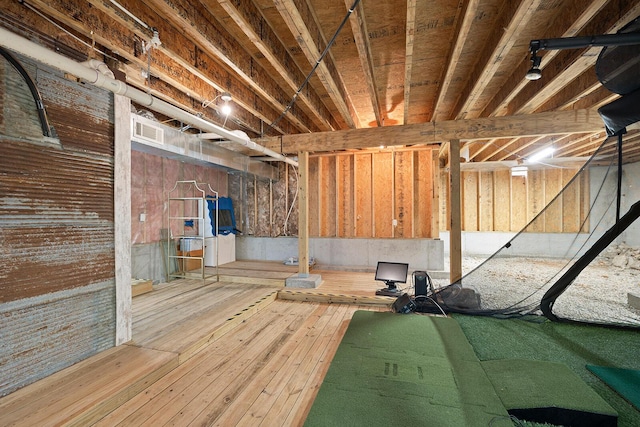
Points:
point(148, 132)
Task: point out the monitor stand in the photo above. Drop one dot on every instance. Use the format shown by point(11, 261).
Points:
point(389, 291)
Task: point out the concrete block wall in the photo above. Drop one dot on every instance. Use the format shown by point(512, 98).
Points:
point(421, 254)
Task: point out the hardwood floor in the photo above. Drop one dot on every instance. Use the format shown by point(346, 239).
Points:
point(220, 353)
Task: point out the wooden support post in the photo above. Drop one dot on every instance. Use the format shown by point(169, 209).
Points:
point(455, 227)
point(303, 213)
point(122, 217)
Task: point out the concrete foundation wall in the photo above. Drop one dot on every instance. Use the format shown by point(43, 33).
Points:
point(478, 243)
point(421, 254)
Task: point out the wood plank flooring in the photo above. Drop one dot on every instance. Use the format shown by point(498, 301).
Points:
point(228, 353)
point(86, 391)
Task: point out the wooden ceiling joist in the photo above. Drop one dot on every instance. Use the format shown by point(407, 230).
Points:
point(411, 66)
point(247, 16)
point(361, 39)
point(567, 24)
point(302, 24)
point(511, 19)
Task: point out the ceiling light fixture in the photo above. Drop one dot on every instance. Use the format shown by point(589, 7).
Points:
point(519, 171)
point(620, 39)
point(225, 109)
point(544, 153)
point(225, 96)
point(534, 72)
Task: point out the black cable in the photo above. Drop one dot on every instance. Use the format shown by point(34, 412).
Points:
point(619, 196)
point(44, 122)
point(315, 66)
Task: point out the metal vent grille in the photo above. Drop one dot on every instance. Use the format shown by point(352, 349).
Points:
point(148, 132)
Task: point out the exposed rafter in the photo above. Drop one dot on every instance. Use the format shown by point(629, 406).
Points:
point(247, 16)
point(514, 16)
point(360, 36)
point(303, 25)
point(398, 64)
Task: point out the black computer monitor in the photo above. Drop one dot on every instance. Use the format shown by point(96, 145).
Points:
point(391, 273)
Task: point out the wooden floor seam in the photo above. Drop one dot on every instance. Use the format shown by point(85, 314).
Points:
point(185, 326)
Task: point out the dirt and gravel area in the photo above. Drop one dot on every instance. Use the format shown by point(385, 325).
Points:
point(599, 294)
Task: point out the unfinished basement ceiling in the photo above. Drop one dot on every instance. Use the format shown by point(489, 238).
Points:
point(393, 63)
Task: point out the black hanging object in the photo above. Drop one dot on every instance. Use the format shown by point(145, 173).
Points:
point(618, 66)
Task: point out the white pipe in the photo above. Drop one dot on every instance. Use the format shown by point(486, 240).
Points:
point(100, 66)
point(96, 77)
point(135, 18)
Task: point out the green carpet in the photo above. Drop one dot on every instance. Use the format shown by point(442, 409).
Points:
point(535, 338)
point(548, 392)
point(396, 369)
point(624, 381)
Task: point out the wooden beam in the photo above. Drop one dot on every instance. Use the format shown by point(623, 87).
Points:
point(361, 38)
point(303, 213)
point(455, 208)
point(122, 221)
point(304, 29)
point(551, 123)
point(249, 19)
point(408, 61)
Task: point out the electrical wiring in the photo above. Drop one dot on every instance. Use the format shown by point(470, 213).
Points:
point(315, 66)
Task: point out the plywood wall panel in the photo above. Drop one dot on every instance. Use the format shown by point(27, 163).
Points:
point(363, 197)
point(327, 194)
point(435, 194)
point(444, 200)
point(383, 194)
point(535, 198)
point(585, 198)
point(518, 202)
point(345, 195)
point(485, 201)
point(553, 214)
point(502, 200)
point(423, 193)
point(404, 194)
point(469, 200)
point(571, 203)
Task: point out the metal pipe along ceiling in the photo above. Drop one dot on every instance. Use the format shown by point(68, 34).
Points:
point(34, 51)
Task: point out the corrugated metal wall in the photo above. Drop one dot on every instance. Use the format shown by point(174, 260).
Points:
point(57, 287)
